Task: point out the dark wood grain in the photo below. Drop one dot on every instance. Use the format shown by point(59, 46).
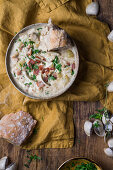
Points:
point(84, 146)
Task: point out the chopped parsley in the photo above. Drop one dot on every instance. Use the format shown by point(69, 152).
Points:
point(44, 52)
point(34, 77)
point(39, 29)
point(56, 64)
point(31, 42)
point(28, 68)
point(25, 43)
point(72, 72)
point(51, 78)
point(25, 64)
point(35, 67)
point(16, 49)
point(19, 39)
point(86, 166)
point(35, 51)
point(58, 67)
point(96, 116)
point(33, 57)
point(28, 84)
point(14, 75)
point(96, 124)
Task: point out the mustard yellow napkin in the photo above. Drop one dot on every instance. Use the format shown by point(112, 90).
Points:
point(55, 127)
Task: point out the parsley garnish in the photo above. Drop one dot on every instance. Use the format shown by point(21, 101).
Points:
point(39, 29)
point(58, 67)
point(72, 72)
point(34, 77)
point(33, 57)
point(86, 166)
point(35, 67)
point(56, 64)
point(28, 68)
point(35, 51)
point(25, 43)
point(16, 49)
point(19, 39)
point(28, 84)
point(51, 78)
point(96, 124)
point(44, 52)
point(25, 64)
point(31, 42)
point(14, 75)
point(96, 116)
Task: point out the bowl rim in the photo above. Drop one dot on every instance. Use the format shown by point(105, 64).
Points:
point(7, 58)
point(77, 158)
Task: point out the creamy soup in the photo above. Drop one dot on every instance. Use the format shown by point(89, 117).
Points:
point(38, 72)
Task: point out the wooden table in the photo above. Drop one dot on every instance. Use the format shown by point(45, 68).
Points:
point(84, 146)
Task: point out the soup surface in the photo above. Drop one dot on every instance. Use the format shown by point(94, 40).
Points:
point(39, 72)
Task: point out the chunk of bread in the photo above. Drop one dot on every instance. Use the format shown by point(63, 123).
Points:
point(16, 127)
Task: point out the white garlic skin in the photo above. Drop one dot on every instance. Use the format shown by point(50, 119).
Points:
point(111, 120)
point(108, 152)
point(88, 127)
point(3, 163)
point(110, 36)
point(92, 8)
point(110, 87)
point(12, 167)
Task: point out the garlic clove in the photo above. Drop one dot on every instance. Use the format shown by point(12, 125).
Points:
point(110, 38)
point(3, 163)
point(108, 152)
point(110, 143)
point(92, 8)
point(99, 128)
point(104, 119)
point(88, 127)
point(110, 87)
point(12, 167)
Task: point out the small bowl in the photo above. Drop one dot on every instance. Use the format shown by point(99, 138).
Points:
point(7, 61)
point(76, 161)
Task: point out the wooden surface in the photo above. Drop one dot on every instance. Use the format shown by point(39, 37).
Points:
point(84, 146)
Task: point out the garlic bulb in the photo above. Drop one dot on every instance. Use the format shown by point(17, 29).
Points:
point(110, 143)
point(110, 36)
point(3, 163)
point(92, 8)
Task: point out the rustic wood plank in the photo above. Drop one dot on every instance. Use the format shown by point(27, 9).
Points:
point(84, 146)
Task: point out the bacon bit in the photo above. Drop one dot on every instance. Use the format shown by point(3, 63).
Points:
point(15, 55)
point(73, 66)
point(40, 84)
point(36, 72)
point(68, 63)
point(31, 61)
point(38, 61)
point(52, 68)
point(22, 45)
point(41, 67)
point(38, 57)
point(19, 72)
point(29, 52)
point(46, 70)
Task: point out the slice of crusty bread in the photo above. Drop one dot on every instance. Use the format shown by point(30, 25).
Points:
point(16, 127)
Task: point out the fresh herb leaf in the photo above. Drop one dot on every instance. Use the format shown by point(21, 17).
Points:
point(25, 64)
point(35, 51)
point(16, 49)
point(96, 124)
point(55, 61)
point(51, 78)
point(33, 57)
point(72, 164)
point(34, 77)
point(39, 29)
point(72, 72)
point(14, 75)
point(35, 67)
point(86, 166)
point(20, 64)
point(31, 42)
point(25, 43)
point(19, 39)
point(58, 67)
point(96, 116)
point(26, 165)
point(44, 52)
point(28, 84)
point(28, 68)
